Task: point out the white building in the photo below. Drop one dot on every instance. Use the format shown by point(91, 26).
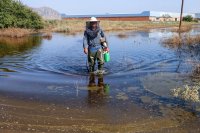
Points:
point(166, 16)
point(197, 16)
point(144, 16)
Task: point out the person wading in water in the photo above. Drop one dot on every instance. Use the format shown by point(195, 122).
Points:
point(94, 44)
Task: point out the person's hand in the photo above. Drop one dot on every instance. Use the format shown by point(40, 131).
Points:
point(107, 49)
point(102, 40)
point(86, 50)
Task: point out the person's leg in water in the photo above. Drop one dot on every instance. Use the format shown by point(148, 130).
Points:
point(100, 80)
point(91, 61)
point(100, 59)
point(92, 80)
point(102, 86)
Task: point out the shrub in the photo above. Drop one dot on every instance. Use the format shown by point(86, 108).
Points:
point(15, 14)
point(188, 18)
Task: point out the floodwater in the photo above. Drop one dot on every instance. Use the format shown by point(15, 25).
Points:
point(45, 87)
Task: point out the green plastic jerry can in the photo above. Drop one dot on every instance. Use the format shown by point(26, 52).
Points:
point(106, 56)
point(107, 89)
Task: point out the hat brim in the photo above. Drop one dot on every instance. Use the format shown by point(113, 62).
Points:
point(93, 21)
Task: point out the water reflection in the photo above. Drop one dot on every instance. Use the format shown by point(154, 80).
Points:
point(9, 46)
point(150, 34)
point(47, 36)
point(97, 92)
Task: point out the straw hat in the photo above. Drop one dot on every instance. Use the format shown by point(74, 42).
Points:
point(93, 19)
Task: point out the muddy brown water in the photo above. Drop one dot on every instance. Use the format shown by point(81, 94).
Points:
point(44, 86)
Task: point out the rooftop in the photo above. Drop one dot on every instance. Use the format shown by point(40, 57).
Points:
point(143, 14)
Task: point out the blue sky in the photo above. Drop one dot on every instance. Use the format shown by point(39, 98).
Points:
point(114, 6)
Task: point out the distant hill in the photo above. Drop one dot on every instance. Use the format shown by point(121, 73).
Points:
point(47, 13)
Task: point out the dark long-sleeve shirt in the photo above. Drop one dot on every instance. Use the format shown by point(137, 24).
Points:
point(93, 43)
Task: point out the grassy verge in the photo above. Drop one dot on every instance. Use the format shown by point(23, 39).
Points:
point(15, 32)
point(73, 26)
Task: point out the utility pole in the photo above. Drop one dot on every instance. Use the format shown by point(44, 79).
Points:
point(181, 15)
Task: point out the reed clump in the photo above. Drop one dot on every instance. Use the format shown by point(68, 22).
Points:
point(196, 72)
point(122, 35)
point(64, 26)
point(187, 93)
point(15, 32)
point(183, 29)
point(186, 39)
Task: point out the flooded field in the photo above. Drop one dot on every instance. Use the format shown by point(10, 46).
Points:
point(45, 87)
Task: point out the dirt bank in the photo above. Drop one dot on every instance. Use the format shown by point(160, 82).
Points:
point(32, 116)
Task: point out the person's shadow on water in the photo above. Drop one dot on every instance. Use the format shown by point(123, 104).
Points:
point(97, 92)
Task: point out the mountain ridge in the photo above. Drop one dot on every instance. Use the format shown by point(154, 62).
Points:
point(48, 13)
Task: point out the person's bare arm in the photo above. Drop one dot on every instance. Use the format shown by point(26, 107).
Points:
point(85, 43)
point(104, 41)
